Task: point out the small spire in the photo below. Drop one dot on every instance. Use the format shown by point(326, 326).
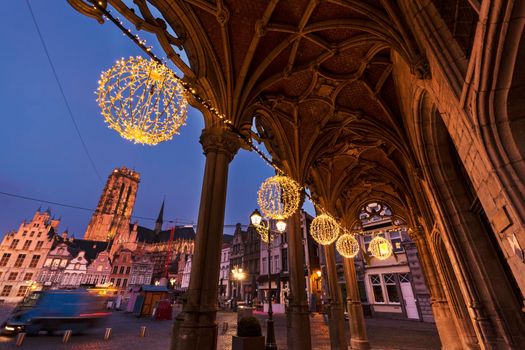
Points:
point(160, 218)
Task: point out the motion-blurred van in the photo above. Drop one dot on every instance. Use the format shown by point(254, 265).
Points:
point(56, 310)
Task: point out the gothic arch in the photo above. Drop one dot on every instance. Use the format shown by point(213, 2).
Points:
point(476, 264)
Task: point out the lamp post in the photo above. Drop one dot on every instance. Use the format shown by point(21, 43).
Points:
point(264, 229)
point(238, 275)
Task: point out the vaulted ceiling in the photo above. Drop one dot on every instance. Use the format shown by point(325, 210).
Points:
point(315, 75)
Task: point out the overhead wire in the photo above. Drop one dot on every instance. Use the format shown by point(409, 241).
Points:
point(77, 207)
point(66, 102)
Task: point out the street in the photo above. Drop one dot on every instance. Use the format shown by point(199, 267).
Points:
point(383, 334)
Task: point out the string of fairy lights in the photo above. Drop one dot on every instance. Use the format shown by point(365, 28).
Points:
point(146, 102)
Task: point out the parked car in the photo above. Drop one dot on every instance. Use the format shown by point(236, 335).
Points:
point(56, 310)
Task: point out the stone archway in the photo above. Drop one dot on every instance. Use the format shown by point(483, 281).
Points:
point(494, 312)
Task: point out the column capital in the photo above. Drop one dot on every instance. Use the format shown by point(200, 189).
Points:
point(220, 140)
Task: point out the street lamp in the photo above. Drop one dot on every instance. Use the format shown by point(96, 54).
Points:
point(238, 275)
point(264, 229)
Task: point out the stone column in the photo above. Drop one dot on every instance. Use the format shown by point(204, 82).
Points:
point(356, 319)
point(297, 316)
point(445, 321)
point(336, 316)
point(195, 328)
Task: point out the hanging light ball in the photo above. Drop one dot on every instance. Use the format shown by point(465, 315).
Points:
point(347, 245)
point(380, 248)
point(324, 229)
point(142, 100)
point(279, 197)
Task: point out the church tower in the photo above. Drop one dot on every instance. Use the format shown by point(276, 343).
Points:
point(114, 209)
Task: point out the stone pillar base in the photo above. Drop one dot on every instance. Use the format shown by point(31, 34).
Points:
point(196, 336)
point(359, 344)
point(298, 328)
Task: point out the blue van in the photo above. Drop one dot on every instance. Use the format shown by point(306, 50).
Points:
point(56, 310)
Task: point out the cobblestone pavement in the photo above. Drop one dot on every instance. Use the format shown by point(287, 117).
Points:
point(383, 334)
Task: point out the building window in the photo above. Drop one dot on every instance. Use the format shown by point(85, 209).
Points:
point(34, 260)
point(118, 282)
point(22, 291)
point(14, 243)
point(264, 265)
point(395, 238)
point(127, 270)
point(12, 276)
point(5, 259)
point(125, 282)
point(20, 260)
point(276, 263)
point(404, 278)
point(391, 288)
point(6, 291)
point(121, 270)
point(39, 244)
point(28, 276)
point(377, 290)
point(27, 244)
point(115, 270)
point(112, 281)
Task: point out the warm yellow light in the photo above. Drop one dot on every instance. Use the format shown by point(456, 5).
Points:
point(324, 229)
point(279, 197)
point(142, 100)
point(281, 226)
point(347, 246)
point(318, 272)
point(380, 248)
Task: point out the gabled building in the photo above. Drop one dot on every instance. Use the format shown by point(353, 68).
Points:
point(75, 271)
point(121, 270)
point(50, 277)
point(98, 271)
point(141, 270)
point(22, 255)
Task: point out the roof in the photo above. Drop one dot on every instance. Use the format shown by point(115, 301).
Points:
point(227, 240)
point(91, 248)
point(147, 235)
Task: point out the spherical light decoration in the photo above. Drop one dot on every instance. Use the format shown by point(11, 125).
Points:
point(279, 197)
point(324, 229)
point(347, 245)
point(142, 100)
point(380, 248)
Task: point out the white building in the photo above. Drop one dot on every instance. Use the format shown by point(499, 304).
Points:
point(224, 275)
point(56, 262)
point(395, 287)
point(186, 274)
point(75, 271)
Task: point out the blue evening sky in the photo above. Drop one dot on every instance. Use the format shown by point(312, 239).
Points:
point(40, 152)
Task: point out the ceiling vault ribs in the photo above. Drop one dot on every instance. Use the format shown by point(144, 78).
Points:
point(316, 74)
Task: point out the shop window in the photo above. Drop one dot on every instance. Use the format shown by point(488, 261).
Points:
point(391, 288)
point(377, 289)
